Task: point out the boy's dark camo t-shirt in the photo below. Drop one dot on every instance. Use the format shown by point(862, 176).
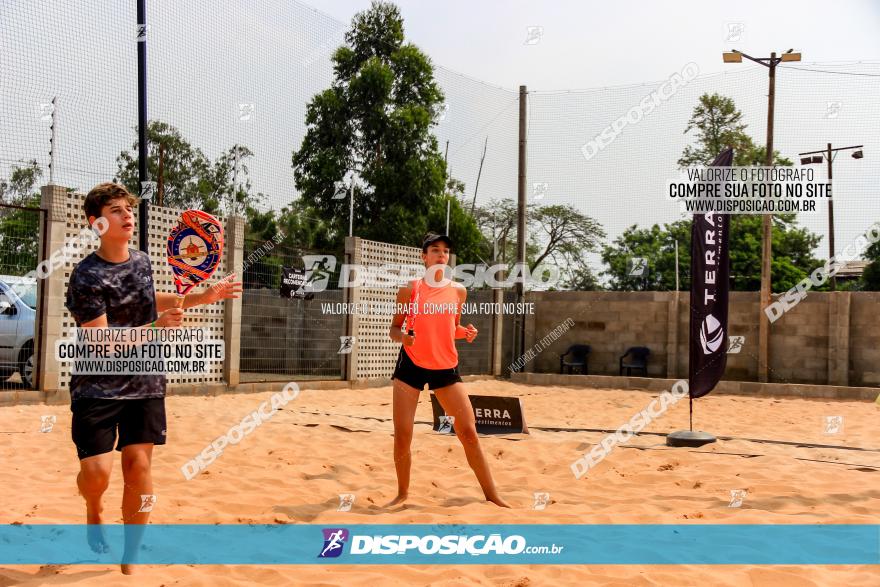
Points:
point(124, 291)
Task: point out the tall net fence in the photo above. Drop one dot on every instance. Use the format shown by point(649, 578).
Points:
point(82, 56)
point(227, 73)
point(623, 182)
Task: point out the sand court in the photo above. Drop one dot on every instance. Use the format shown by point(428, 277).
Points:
point(292, 468)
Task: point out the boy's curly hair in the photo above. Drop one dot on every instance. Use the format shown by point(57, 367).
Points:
point(102, 194)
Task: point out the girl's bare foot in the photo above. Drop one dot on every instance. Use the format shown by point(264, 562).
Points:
point(498, 501)
point(127, 569)
point(401, 497)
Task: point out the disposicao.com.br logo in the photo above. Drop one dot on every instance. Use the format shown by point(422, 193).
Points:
point(429, 544)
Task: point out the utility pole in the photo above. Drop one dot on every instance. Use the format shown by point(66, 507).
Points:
point(767, 240)
point(479, 173)
point(160, 184)
point(828, 155)
point(143, 206)
point(351, 207)
point(521, 218)
point(735, 56)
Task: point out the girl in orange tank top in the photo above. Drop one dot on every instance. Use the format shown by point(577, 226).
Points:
point(431, 308)
point(432, 317)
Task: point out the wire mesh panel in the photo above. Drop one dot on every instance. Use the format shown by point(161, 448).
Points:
point(83, 56)
point(282, 337)
point(161, 220)
point(21, 229)
point(376, 353)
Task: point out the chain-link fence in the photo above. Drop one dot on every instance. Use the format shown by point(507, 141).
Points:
point(20, 232)
point(282, 337)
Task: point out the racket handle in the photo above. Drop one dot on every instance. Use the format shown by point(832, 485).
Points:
point(179, 302)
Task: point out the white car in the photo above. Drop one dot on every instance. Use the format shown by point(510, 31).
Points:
point(18, 312)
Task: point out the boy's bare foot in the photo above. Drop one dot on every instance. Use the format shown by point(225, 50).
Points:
point(95, 533)
point(498, 501)
point(127, 569)
point(401, 497)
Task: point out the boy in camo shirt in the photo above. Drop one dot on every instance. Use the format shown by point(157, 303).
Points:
point(113, 287)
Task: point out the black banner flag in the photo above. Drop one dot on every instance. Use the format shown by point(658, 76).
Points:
point(710, 284)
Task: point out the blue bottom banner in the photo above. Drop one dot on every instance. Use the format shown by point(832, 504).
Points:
point(505, 544)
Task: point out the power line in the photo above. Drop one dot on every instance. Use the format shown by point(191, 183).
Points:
point(834, 72)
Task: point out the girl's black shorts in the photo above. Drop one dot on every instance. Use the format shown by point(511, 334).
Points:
point(418, 377)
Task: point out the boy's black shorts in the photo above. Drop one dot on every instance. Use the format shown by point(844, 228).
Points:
point(96, 420)
point(417, 377)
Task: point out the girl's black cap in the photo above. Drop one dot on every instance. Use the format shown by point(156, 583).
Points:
point(433, 238)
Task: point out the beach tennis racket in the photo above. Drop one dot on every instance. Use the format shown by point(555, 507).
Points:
point(413, 308)
point(194, 248)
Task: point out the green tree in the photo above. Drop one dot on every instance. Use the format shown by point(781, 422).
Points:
point(792, 248)
point(559, 235)
point(185, 177)
point(303, 228)
point(282, 236)
point(19, 229)
point(227, 183)
point(178, 168)
point(20, 186)
point(871, 275)
point(718, 124)
point(497, 222)
point(563, 237)
point(656, 245)
point(374, 124)
point(462, 228)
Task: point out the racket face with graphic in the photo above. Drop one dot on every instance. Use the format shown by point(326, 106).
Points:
point(194, 248)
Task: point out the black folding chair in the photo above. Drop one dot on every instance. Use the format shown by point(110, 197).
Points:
point(638, 360)
point(580, 353)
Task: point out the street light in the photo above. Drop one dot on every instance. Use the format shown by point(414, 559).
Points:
point(828, 154)
point(733, 57)
point(771, 62)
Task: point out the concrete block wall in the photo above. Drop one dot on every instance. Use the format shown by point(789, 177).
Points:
point(799, 343)
point(864, 339)
point(829, 338)
point(610, 322)
point(742, 320)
